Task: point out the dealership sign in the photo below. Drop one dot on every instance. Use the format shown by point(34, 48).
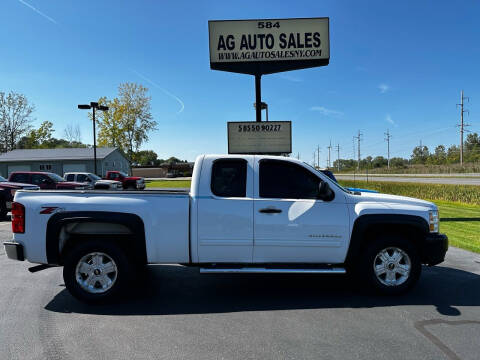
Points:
point(267, 46)
point(251, 137)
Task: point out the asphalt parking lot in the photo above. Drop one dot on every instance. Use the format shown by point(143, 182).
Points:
point(176, 313)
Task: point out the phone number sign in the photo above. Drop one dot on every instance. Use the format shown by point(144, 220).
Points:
point(251, 137)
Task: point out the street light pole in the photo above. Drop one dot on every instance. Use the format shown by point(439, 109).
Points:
point(94, 106)
point(94, 143)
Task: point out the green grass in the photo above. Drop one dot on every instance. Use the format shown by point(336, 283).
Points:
point(468, 194)
point(461, 223)
point(168, 184)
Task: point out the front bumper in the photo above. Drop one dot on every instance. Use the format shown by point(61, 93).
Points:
point(434, 249)
point(14, 250)
point(140, 186)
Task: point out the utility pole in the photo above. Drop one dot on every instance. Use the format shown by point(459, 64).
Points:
point(329, 147)
point(359, 138)
point(387, 139)
point(338, 157)
point(353, 142)
point(462, 124)
point(318, 155)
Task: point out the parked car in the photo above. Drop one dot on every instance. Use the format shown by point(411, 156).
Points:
point(243, 214)
point(331, 176)
point(92, 179)
point(128, 182)
point(7, 192)
point(46, 181)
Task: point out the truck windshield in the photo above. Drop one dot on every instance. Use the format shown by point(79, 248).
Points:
point(332, 181)
point(56, 178)
point(95, 177)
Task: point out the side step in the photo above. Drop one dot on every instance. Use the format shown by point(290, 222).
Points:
point(257, 270)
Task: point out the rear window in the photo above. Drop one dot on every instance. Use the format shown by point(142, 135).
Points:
point(21, 178)
point(229, 178)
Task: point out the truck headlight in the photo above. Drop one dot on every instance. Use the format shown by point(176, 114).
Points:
point(433, 221)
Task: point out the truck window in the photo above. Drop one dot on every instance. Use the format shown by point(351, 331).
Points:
point(70, 177)
point(37, 179)
point(229, 178)
point(21, 178)
point(285, 180)
point(83, 178)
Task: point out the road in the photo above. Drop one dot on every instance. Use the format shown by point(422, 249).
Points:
point(176, 313)
point(416, 179)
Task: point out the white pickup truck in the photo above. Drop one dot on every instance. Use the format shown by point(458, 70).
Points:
point(243, 214)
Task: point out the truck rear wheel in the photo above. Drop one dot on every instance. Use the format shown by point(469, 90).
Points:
point(96, 271)
point(390, 265)
point(3, 209)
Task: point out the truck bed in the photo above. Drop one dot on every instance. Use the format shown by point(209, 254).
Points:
point(164, 213)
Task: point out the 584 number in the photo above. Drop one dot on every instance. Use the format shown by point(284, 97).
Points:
point(268, 24)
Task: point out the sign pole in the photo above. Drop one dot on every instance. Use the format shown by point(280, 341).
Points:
point(258, 97)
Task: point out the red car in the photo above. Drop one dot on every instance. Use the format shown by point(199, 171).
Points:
point(7, 192)
point(128, 182)
point(46, 180)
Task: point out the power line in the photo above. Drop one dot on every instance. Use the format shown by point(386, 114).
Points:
point(462, 125)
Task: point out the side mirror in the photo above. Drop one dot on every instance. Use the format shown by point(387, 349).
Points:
point(325, 193)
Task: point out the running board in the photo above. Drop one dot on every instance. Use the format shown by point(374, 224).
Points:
point(252, 270)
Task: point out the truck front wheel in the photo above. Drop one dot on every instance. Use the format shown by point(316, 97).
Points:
point(391, 265)
point(96, 271)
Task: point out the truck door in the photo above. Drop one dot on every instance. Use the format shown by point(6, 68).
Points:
point(225, 211)
point(291, 223)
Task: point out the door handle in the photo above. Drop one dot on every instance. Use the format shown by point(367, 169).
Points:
point(270, 211)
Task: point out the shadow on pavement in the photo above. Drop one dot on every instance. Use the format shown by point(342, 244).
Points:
point(169, 290)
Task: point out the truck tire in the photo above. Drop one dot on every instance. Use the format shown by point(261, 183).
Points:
point(390, 265)
point(97, 271)
point(3, 209)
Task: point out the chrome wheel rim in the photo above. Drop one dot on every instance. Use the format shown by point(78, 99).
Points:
point(96, 272)
point(392, 266)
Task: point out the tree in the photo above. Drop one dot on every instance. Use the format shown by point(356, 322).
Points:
point(128, 122)
point(15, 118)
point(146, 157)
point(42, 138)
point(379, 161)
point(72, 133)
point(136, 115)
point(111, 124)
point(453, 154)
point(420, 155)
point(37, 138)
point(440, 155)
point(472, 142)
point(398, 162)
